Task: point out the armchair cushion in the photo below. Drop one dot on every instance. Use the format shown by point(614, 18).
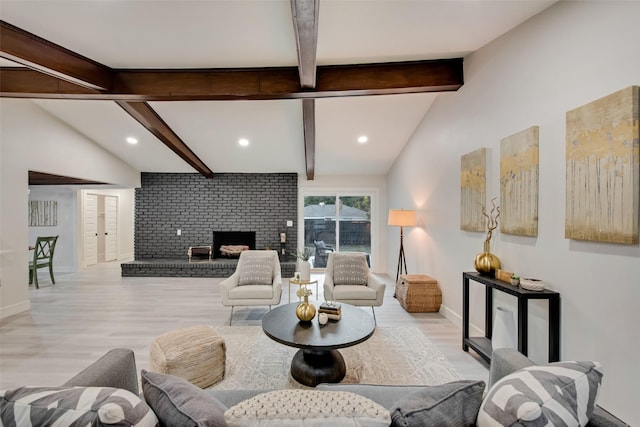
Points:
point(350, 269)
point(256, 269)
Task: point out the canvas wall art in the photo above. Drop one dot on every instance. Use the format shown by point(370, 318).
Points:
point(473, 190)
point(519, 182)
point(43, 213)
point(602, 169)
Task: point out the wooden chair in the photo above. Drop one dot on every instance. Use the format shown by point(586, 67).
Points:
point(42, 257)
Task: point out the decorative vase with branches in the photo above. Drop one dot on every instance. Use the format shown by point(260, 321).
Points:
point(304, 266)
point(486, 262)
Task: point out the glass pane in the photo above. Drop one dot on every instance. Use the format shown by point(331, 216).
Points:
point(354, 215)
point(319, 228)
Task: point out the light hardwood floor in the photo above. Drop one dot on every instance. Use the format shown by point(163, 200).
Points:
point(85, 314)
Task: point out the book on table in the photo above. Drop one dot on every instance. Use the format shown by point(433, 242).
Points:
point(330, 308)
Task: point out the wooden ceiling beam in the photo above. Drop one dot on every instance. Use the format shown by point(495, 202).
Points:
point(309, 126)
point(46, 57)
point(61, 73)
point(147, 117)
point(305, 25)
point(249, 83)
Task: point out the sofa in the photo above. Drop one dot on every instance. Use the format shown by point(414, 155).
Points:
point(172, 401)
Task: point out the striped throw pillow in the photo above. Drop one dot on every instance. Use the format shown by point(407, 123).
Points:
point(558, 394)
point(74, 406)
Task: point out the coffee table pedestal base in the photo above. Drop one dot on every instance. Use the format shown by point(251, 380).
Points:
point(312, 367)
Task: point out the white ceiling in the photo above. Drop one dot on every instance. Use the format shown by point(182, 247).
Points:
point(258, 33)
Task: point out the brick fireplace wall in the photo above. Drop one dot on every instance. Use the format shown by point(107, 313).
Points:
point(167, 202)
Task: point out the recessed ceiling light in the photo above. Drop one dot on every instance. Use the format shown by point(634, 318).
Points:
point(243, 142)
point(132, 140)
point(362, 139)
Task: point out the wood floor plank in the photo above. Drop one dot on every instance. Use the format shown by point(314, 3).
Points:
point(85, 314)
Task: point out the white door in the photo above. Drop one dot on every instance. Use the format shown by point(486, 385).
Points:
point(110, 228)
point(90, 229)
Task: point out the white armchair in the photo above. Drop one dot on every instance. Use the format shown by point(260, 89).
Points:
point(256, 281)
point(349, 280)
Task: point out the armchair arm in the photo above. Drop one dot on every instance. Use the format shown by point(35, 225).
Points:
point(328, 286)
point(226, 285)
point(379, 286)
point(117, 368)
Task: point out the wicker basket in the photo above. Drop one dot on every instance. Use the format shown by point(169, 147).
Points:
point(418, 293)
point(532, 284)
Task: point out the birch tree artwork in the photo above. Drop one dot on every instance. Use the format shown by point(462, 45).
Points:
point(519, 182)
point(473, 190)
point(43, 213)
point(602, 169)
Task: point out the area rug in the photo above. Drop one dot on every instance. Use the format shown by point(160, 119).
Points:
point(393, 355)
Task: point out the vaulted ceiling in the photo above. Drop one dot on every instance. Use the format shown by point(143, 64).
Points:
point(300, 79)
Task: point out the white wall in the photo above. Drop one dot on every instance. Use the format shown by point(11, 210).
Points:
point(357, 184)
point(32, 139)
point(64, 259)
point(569, 55)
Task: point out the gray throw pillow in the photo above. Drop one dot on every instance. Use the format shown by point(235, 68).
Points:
point(350, 269)
point(177, 402)
point(256, 268)
point(453, 404)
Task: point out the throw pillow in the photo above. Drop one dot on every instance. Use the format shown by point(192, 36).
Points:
point(256, 268)
point(307, 408)
point(561, 393)
point(177, 402)
point(453, 404)
point(82, 406)
point(350, 269)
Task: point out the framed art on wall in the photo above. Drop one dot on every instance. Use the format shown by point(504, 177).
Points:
point(473, 190)
point(43, 213)
point(519, 182)
point(602, 169)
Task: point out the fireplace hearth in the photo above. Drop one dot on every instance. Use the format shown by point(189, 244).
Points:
point(224, 238)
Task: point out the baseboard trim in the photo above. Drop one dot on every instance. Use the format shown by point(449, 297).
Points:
point(456, 319)
point(14, 309)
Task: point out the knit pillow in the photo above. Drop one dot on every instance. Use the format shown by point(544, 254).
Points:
point(307, 408)
point(350, 269)
point(81, 406)
point(562, 393)
point(256, 268)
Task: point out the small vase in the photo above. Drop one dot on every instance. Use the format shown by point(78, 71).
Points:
point(305, 311)
point(305, 270)
point(486, 262)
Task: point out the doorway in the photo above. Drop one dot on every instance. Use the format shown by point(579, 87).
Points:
point(100, 228)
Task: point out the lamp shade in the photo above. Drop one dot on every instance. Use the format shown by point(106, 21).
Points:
point(402, 218)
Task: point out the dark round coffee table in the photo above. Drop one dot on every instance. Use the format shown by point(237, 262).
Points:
point(318, 360)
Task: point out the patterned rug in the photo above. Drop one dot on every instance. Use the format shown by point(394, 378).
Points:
point(393, 355)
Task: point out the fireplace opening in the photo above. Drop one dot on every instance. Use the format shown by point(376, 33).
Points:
point(232, 238)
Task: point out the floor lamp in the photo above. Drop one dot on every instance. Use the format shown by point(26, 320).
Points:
point(402, 218)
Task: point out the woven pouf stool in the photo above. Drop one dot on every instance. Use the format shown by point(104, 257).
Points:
point(196, 353)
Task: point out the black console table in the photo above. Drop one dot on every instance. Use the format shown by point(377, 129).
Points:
point(482, 345)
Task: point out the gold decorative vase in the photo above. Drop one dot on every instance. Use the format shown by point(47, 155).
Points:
point(305, 311)
point(486, 262)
